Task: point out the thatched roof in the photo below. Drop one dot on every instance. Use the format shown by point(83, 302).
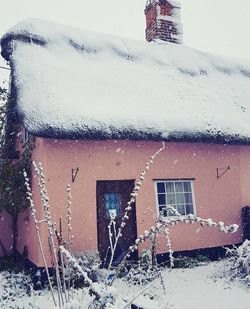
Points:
point(72, 83)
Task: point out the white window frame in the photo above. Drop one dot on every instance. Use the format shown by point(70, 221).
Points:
point(191, 181)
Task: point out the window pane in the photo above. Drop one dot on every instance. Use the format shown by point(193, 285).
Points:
point(161, 199)
point(179, 198)
point(187, 186)
point(169, 187)
point(178, 187)
point(171, 199)
point(112, 204)
point(160, 187)
point(189, 209)
point(188, 198)
point(181, 209)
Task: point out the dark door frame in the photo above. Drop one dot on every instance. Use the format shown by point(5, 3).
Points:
point(123, 206)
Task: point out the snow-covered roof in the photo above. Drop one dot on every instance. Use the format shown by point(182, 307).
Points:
point(79, 84)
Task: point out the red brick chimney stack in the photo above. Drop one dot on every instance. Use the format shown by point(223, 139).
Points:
point(163, 21)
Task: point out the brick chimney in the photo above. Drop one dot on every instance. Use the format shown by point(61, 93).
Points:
point(163, 21)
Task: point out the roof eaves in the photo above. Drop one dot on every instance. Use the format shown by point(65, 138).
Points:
point(218, 138)
point(7, 41)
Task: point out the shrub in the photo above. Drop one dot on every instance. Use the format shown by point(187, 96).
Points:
point(240, 261)
point(90, 263)
point(15, 286)
point(143, 271)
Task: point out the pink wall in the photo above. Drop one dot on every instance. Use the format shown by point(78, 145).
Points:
point(220, 199)
point(245, 175)
point(5, 232)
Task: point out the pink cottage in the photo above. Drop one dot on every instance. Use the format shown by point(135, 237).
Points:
point(98, 107)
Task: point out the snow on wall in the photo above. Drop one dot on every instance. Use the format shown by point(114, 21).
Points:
point(74, 83)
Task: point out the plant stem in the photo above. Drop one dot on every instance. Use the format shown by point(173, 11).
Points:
point(33, 213)
point(133, 196)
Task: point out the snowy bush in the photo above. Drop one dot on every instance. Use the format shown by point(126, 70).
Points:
point(107, 296)
point(138, 275)
point(142, 272)
point(243, 260)
point(240, 258)
point(90, 263)
point(14, 286)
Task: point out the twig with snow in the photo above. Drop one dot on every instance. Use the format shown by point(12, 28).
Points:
point(51, 231)
point(162, 226)
point(69, 230)
point(98, 290)
point(69, 216)
point(131, 201)
point(37, 223)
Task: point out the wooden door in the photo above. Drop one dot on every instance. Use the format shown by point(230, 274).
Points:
point(112, 197)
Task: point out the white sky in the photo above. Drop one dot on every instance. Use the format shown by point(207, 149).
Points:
point(218, 26)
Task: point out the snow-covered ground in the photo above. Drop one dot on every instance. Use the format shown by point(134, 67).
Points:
point(205, 287)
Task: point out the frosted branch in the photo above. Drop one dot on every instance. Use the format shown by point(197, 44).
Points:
point(132, 199)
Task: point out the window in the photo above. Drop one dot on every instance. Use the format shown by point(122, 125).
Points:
point(112, 204)
point(176, 193)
